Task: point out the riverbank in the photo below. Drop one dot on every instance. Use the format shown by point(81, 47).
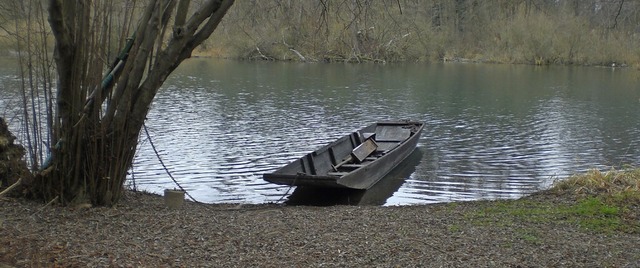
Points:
point(549, 33)
point(571, 226)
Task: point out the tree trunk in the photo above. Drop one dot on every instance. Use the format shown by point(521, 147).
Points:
point(97, 125)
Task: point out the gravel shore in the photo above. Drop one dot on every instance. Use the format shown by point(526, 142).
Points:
point(142, 232)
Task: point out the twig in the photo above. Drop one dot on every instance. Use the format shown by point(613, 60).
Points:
point(11, 187)
point(42, 208)
point(155, 255)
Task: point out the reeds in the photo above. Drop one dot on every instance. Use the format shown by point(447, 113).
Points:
point(596, 182)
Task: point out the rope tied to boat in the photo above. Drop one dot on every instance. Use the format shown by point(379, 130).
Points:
point(176, 182)
point(165, 167)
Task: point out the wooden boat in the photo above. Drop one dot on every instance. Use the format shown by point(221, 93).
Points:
point(377, 195)
point(357, 160)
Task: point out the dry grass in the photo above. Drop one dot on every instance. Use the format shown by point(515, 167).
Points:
point(608, 183)
point(607, 200)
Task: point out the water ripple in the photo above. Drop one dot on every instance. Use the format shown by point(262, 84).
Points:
point(492, 131)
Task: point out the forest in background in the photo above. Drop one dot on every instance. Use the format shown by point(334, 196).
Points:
point(582, 32)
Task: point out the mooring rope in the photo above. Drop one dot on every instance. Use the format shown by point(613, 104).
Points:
point(164, 166)
point(133, 177)
point(287, 192)
point(176, 182)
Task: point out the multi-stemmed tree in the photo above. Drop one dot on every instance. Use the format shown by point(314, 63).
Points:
point(101, 105)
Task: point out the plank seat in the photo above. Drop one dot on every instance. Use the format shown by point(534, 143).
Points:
point(354, 166)
point(337, 174)
point(388, 140)
point(385, 146)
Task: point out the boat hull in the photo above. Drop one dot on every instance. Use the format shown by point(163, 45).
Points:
point(325, 166)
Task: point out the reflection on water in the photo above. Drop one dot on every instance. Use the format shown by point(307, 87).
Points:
point(492, 131)
point(376, 195)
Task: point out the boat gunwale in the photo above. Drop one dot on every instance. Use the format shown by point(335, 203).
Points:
point(332, 180)
point(414, 136)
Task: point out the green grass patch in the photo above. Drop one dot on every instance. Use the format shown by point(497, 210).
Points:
point(455, 228)
point(606, 199)
point(506, 213)
point(599, 202)
point(595, 207)
point(593, 214)
point(529, 236)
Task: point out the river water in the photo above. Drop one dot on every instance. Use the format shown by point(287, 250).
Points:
point(492, 131)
